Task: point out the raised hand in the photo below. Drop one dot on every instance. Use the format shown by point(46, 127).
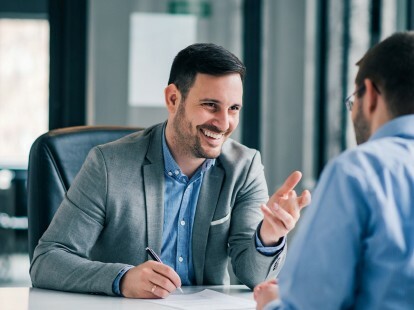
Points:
point(282, 211)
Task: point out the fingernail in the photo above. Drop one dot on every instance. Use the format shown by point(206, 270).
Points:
point(276, 206)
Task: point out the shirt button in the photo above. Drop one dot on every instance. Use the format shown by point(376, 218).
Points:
point(176, 172)
point(180, 259)
point(169, 173)
point(182, 223)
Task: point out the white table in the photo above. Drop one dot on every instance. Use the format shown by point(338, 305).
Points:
point(24, 298)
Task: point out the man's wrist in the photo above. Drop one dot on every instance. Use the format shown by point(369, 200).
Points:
point(266, 250)
point(273, 305)
point(268, 241)
point(116, 285)
point(264, 244)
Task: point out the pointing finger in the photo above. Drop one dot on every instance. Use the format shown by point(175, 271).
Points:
point(289, 184)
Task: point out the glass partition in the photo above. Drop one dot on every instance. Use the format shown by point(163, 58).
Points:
point(131, 48)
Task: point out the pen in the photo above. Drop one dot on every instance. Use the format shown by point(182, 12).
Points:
point(155, 257)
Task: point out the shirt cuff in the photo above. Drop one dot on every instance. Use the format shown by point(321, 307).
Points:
point(268, 250)
point(273, 305)
point(116, 284)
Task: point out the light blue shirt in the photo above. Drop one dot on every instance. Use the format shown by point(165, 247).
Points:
point(354, 248)
point(180, 202)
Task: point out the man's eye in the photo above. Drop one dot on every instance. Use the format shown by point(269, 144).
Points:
point(235, 108)
point(209, 104)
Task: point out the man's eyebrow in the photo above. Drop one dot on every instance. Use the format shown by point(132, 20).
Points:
point(218, 101)
point(210, 100)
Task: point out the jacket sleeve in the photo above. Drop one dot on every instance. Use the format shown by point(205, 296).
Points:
point(250, 266)
point(60, 260)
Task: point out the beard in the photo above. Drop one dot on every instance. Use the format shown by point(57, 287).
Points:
point(361, 126)
point(189, 144)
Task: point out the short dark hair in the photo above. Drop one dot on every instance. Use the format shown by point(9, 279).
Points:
point(390, 66)
point(204, 58)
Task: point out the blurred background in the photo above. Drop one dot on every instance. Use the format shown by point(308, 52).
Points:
point(106, 62)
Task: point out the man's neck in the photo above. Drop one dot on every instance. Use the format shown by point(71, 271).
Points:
point(381, 116)
point(187, 163)
point(188, 166)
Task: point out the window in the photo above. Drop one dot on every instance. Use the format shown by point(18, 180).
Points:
point(24, 87)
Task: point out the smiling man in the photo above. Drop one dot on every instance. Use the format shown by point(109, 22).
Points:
point(199, 126)
point(182, 188)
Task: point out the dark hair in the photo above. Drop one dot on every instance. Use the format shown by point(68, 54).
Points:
point(204, 58)
point(390, 66)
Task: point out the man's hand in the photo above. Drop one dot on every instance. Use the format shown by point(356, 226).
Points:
point(149, 280)
point(265, 292)
point(282, 211)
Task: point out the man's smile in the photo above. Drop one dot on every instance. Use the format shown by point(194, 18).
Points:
point(211, 134)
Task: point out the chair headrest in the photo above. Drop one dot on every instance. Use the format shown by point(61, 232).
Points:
point(55, 159)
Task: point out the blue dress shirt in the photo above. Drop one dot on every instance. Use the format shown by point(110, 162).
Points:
point(354, 248)
point(181, 196)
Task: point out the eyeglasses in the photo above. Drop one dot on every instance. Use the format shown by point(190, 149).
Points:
point(349, 101)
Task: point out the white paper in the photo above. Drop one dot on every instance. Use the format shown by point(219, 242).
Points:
point(155, 39)
point(206, 299)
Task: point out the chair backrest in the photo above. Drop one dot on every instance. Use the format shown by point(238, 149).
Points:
point(55, 159)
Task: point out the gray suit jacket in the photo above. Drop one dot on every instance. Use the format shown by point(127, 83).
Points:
point(114, 209)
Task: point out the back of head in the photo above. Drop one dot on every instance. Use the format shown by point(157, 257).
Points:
point(390, 66)
point(204, 58)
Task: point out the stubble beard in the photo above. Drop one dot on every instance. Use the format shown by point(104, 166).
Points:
point(185, 142)
point(361, 127)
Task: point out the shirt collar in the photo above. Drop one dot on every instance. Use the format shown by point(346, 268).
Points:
point(170, 165)
point(402, 126)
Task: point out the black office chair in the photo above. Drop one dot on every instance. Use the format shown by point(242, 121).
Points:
point(55, 159)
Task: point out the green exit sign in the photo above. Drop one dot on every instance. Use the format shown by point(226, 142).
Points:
point(199, 8)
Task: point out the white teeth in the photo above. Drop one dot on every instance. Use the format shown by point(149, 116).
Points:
point(212, 134)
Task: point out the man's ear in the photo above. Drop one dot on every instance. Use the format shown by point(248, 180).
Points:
point(172, 98)
point(370, 104)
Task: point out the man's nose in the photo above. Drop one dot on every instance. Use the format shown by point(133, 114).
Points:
point(221, 120)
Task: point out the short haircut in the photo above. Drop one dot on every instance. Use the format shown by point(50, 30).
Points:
point(390, 66)
point(204, 58)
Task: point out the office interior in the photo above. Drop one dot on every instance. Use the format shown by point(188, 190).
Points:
point(105, 62)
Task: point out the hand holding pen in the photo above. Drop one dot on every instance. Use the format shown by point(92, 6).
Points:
point(155, 257)
point(151, 279)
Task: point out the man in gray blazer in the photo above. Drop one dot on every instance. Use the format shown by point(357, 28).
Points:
point(182, 188)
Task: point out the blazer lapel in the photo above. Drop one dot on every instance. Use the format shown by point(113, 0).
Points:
point(154, 191)
point(206, 206)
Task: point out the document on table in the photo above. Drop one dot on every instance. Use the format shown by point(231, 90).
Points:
point(206, 299)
